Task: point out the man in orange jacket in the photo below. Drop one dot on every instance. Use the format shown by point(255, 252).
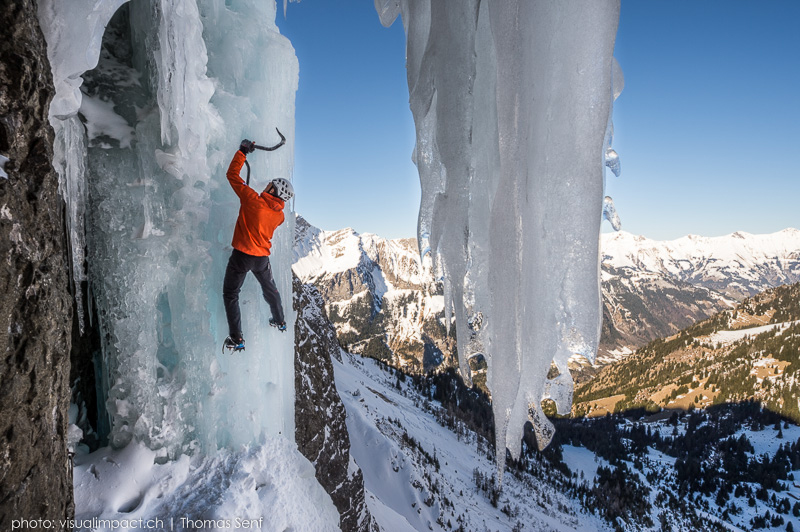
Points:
point(259, 216)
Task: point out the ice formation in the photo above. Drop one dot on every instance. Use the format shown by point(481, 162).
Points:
point(152, 99)
point(512, 104)
point(3, 161)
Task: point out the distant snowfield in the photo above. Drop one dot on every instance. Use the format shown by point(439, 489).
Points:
point(582, 461)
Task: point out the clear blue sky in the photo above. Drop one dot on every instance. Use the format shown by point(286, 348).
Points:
point(707, 128)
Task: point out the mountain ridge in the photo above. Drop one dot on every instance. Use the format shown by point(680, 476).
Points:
point(749, 263)
point(385, 303)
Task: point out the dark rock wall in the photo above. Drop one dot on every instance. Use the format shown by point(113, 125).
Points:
point(321, 432)
point(35, 310)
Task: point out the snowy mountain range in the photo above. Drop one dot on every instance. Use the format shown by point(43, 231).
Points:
point(377, 294)
point(736, 265)
point(385, 304)
point(655, 288)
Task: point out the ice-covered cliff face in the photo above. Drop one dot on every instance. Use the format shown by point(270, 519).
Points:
point(512, 103)
point(152, 99)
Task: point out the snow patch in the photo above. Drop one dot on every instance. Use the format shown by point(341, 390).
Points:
point(582, 460)
point(730, 337)
point(270, 484)
point(405, 492)
point(103, 121)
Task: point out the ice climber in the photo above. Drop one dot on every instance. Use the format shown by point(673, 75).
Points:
point(259, 216)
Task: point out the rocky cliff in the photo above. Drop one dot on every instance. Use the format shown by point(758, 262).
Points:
point(321, 433)
point(35, 311)
point(378, 296)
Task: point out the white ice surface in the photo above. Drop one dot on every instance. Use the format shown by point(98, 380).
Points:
point(74, 33)
point(512, 105)
point(161, 214)
point(3, 161)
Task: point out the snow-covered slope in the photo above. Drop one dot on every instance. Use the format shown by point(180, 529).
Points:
point(420, 475)
point(737, 265)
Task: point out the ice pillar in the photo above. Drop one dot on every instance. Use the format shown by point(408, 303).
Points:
point(512, 102)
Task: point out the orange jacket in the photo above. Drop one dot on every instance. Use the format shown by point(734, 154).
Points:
point(259, 214)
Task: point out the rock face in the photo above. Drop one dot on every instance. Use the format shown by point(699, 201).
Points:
point(36, 310)
point(321, 432)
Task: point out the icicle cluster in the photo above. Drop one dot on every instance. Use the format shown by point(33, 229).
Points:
point(186, 82)
point(512, 103)
point(74, 35)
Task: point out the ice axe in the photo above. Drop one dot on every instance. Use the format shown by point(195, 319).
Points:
point(253, 146)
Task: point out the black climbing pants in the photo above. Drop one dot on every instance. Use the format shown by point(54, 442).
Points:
point(238, 266)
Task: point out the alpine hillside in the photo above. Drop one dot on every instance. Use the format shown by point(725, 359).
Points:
point(424, 446)
point(749, 353)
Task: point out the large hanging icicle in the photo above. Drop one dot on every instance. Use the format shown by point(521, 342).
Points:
point(512, 104)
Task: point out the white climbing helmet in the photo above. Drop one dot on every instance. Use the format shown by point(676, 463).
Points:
point(283, 188)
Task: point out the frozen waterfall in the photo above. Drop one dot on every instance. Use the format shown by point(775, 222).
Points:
point(512, 103)
point(152, 99)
